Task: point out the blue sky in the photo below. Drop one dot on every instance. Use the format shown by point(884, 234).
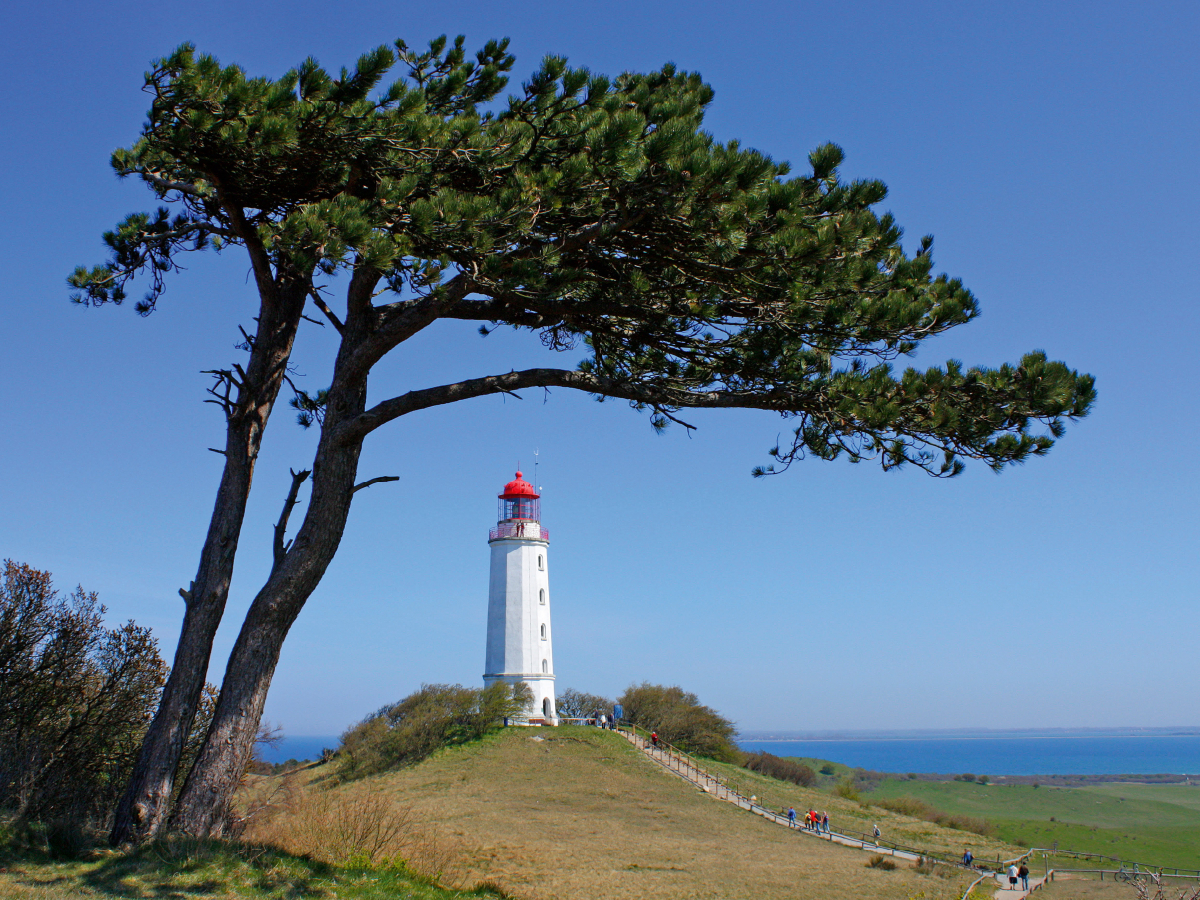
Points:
point(1049, 148)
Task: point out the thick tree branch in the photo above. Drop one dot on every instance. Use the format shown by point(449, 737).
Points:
point(280, 548)
point(651, 395)
point(366, 484)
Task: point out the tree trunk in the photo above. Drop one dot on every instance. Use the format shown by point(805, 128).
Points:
point(204, 804)
point(145, 807)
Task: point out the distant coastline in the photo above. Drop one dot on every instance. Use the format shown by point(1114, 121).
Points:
point(1161, 754)
point(923, 734)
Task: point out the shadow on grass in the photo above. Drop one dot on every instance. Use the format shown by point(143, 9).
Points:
point(182, 868)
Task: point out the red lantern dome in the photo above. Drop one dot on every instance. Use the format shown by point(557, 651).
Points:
point(520, 513)
point(519, 489)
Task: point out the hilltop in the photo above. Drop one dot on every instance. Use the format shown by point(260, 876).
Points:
point(576, 811)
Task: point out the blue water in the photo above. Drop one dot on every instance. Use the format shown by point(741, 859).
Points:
point(301, 747)
point(1018, 755)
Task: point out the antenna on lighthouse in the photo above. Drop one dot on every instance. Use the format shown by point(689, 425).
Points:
point(535, 465)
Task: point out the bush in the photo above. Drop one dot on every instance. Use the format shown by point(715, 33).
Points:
point(436, 716)
point(846, 789)
point(919, 809)
point(828, 769)
point(680, 719)
point(879, 861)
point(779, 767)
point(76, 699)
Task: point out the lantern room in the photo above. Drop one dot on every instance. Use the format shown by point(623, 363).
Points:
point(519, 502)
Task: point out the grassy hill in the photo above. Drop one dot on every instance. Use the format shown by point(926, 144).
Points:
point(532, 813)
point(1149, 823)
point(577, 812)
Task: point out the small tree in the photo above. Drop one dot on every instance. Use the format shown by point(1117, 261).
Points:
point(573, 704)
point(594, 213)
point(680, 719)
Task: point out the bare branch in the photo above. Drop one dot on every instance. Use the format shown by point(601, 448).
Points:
point(280, 548)
point(359, 487)
point(329, 313)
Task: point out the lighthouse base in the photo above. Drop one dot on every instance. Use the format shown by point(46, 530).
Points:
point(541, 710)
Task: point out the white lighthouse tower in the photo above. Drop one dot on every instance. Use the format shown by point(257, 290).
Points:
point(518, 628)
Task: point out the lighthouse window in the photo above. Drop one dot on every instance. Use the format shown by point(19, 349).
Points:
point(542, 596)
point(543, 632)
point(545, 667)
point(541, 565)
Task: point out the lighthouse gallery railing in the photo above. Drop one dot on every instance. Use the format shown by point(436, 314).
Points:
point(521, 531)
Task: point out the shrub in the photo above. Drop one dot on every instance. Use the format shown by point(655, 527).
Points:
point(828, 769)
point(573, 704)
point(75, 700)
point(919, 809)
point(910, 806)
point(436, 716)
point(680, 719)
point(983, 779)
point(846, 789)
point(779, 767)
point(879, 861)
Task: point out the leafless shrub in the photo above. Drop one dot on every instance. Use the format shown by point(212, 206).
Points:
point(879, 861)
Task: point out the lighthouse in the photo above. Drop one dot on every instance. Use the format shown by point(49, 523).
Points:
point(519, 640)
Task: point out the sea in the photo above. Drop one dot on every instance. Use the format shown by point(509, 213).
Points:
point(994, 755)
point(984, 754)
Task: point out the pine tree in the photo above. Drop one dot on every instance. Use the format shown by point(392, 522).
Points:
point(591, 212)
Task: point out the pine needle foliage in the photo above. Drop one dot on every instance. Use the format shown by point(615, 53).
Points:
point(598, 214)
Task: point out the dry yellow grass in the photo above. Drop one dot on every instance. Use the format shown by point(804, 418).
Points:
point(1086, 887)
point(576, 812)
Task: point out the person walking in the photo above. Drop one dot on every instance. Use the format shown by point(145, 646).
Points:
point(654, 738)
point(968, 859)
point(1012, 876)
point(875, 831)
point(791, 817)
point(1023, 874)
point(825, 821)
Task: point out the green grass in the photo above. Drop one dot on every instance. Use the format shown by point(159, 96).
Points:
point(1150, 824)
point(181, 869)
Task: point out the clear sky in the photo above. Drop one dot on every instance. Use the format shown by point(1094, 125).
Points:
point(1051, 150)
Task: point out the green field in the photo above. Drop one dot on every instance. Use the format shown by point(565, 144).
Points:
point(1155, 824)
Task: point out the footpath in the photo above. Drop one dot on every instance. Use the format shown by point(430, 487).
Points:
point(681, 765)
